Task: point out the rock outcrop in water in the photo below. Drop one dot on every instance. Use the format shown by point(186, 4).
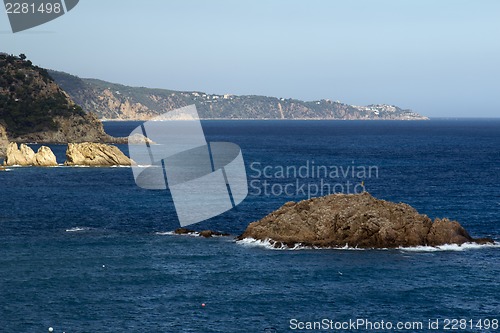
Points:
point(356, 220)
point(138, 139)
point(204, 233)
point(95, 154)
point(44, 157)
point(25, 156)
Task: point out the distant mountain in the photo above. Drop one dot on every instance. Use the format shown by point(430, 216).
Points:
point(33, 108)
point(119, 102)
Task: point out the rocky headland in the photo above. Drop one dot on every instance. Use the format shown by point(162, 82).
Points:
point(34, 108)
point(355, 220)
point(114, 101)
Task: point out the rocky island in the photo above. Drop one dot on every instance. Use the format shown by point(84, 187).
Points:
point(95, 154)
point(355, 220)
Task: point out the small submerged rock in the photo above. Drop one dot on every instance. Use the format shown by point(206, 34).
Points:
point(355, 220)
point(183, 231)
point(204, 233)
point(210, 233)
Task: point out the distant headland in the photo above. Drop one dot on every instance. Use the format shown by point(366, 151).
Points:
point(119, 102)
point(45, 106)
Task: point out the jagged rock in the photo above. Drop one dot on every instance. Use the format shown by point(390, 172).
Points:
point(356, 220)
point(44, 157)
point(95, 154)
point(23, 155)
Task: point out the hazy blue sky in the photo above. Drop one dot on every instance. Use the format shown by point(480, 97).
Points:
point(440, 58)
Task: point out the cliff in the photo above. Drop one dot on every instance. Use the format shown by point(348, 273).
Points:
point(33, 108)
point(115, 101)
point(4, 140)
point(356, 220)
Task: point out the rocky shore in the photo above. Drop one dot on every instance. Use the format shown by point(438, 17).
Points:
point(88, 154)
point(25, 156)
point(356, 220)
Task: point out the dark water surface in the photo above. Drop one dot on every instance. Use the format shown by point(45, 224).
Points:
point(86, 250)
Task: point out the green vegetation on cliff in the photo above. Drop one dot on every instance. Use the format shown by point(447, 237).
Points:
point(29, 100)
point(34, 108)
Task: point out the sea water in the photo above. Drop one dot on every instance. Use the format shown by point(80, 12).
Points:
point(86, 250)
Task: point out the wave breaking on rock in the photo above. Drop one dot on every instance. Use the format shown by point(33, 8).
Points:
point(354, 221)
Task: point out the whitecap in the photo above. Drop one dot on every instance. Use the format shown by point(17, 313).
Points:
point(164, 233)
point(270, 245)
point(450, 247)
point(172, 233)
point(77, 229)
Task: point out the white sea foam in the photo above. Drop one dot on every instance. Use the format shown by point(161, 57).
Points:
point(77, 229)
point(165, 233)
point(266, 244)
point(450, 247)
point(270, 245)
point(60, 165)
point(172, 233)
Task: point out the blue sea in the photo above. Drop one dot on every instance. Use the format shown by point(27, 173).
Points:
point(86, 250)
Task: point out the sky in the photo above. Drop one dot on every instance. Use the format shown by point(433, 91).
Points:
point(438, 58)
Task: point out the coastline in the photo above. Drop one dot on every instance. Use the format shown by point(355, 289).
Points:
point(269, 119)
